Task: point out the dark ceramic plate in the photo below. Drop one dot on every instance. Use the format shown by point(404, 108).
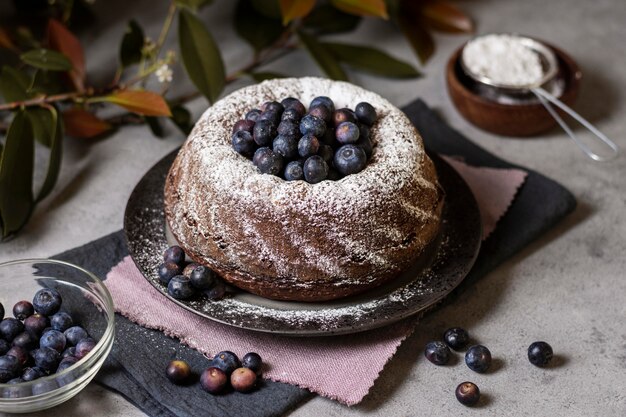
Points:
point(427, 282)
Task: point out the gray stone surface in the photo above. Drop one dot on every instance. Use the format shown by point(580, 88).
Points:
point(568, 288)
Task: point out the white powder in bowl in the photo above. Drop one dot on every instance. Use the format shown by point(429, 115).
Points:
point(504, 59)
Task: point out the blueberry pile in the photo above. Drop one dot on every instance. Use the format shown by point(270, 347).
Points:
point(284, 140)
point(477, 358)
point(40, 339)
point(225, 369)
point(185, 280)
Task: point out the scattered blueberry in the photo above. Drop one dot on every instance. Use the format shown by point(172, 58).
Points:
point(293, 171)
point(202, 278)
point(217, 292)
point(243, 126)
point(323, 100)
point(291, 115)
point(347, 132)
point(21, 354)
point(226, 361)
point(366, 113)
point(315, 169)
point(288, 128)
point(22, 310)
point(264, 132)
point(75, 334)
point(437, 352)
point(253, 361)
point(167, 271)
point(30, 374)
point(61, 321)
point(312, 125)
point(243, 143)
point(322, 112)
point(467, 393)
point(308, 145)
point(36, 324)
point(10, 327)
point(291, 103)
point(253, 115)
point(180, 288)
point(286, 146)
point(4, 346)
point(456, 337)
point(350, 159)
point(174, 254)
point(47, 358)
point(178, 372)
point(540, 353)
point(53, 339)
point(213, 380)
point(344, 115)
point(243, 379)
point(25, 340)
point(478, 358)
point(66, 363)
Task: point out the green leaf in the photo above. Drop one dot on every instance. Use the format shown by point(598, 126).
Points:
point(132, 43)
point(265, 75)
point(371, 60)
point(182, 119)
point(376, 8)
point(47, 60)
point(267, 8)
point(155, 126)
point(325, 20)
point(14, 85)
point(16, 175)
point(323, 57)
point(46, 82)
point(52, 128)
point(258, 30)
point(201, 56)
point(193, 4)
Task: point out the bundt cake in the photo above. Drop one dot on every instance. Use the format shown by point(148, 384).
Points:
point(293, 240)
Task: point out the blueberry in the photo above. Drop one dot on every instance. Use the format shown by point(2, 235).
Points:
point(264, 132)
point(61, 321)
point(25, 340)
point(329, 138)
point(36, 324)
point(17, 380)
point(327, 153)
point(53, 339)
point(22, 310)
point(308, 145)
point(268, 161)
point(189, 268)
point(84, 347)
point(293, 104)
point(168, 270)
point(312, 125)
point(66, 363)
point(21, 354)
point(47, 358)
point(333, 174)
point(243, 143)
point(180, 288)
point(9, 368)
point(285, 146)
point(10, 327)
point(243, 126)
point(70, 351)
point(437, 352)
point(226, 361)
point(272, 106)
point(75, 334)
point(30, 374)
point(456, 337)
point(243, 379)
point(1, 311)
point(366, 113)
point(217, 292)
point(315, 169)
point(347, 132)
point(47, 301)
point(288, 128)
point(323, 100)
point(202, 278)
point(178, 372)
point(344, 115)
point(253, 115)
point(293, 171)
point(4, 346)
point(42, 387)
point(467, 393)
point(366, 144)
point(213, 380)
point(350, 159)
point(540, 353)
point(253, 361)
point(291, 115)
point(322, 112)
point(478, 358)
point(174, 254)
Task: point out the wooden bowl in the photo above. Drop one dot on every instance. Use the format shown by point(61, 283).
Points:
point(509, 119)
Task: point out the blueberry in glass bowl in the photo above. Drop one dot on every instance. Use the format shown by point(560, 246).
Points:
point(53, 375)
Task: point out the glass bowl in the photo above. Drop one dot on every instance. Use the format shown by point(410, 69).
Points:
point(89, 303)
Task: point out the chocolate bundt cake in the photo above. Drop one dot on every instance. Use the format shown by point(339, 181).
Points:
point(293, 240)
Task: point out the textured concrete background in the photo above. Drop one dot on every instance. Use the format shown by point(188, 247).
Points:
point(568, 288)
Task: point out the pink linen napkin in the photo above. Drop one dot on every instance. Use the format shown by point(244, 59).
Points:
point(330, 366)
